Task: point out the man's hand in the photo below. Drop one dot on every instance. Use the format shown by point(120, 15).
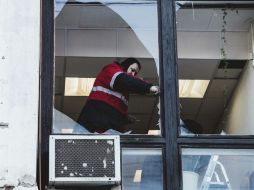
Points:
point(155, 90)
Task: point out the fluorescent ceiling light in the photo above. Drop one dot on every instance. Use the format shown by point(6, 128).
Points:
point(78, 86)
point(137, 176)
point(66, 131)
point(154, 132)
point(192, 88)
point(83, 87)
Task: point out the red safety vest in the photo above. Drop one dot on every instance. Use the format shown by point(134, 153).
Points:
point(103, 89)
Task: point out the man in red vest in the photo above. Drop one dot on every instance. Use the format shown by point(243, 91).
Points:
point(107, 104)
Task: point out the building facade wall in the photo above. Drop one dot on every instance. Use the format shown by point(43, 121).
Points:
point(19, 91)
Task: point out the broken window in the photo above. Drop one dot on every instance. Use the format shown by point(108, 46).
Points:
point(92, 34)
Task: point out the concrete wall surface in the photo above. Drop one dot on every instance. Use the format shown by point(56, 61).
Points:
point(238, 117)
point(19, 92)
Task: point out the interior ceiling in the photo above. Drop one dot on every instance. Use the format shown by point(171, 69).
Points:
point(206, 111)
point(209, 110)
point(92, 16)
point(98, 16)
point(211, 19)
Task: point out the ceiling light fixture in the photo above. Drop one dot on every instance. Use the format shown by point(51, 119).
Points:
point(83, 86)
point(154, 132)
point(66, 131)
point(78, 86)
point(193, 88)
point(137, 176)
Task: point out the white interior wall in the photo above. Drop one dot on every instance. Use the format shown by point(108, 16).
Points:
point(19, 90)
point(99, 43)
point(238, 118)
point(207, 45)
point(120, 43)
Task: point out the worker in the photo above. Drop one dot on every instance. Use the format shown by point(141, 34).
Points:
point(107, 104)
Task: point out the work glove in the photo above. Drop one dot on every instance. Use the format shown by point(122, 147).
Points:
point(155, 90)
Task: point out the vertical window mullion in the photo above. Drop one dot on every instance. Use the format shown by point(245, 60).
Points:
point(46, 90)
point(169, 94)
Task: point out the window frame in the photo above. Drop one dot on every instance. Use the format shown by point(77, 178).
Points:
point(170, 141)
point(168, 84)
point(210, 140)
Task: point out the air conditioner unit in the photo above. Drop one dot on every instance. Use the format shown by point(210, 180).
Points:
point(84, 160)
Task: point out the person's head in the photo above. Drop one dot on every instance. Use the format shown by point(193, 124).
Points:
point(131, 65)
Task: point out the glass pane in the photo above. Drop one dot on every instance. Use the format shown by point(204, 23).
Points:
point(218, 169)
point(94, 85)
point(142, 169)
point(215, 64)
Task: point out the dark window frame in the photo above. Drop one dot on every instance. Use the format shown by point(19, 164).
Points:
point(212, 141)
point(165, 141)
point(46, 94)
point(46, 91)
point(170, 141)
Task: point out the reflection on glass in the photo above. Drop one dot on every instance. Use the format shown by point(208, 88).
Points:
point(92, 34)
point(215, 43)
point(142, 169)
point(224, 169)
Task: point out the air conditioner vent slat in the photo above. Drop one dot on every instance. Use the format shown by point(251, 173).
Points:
point(84, 159)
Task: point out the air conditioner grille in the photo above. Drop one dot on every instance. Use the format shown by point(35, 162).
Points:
point(95, 158)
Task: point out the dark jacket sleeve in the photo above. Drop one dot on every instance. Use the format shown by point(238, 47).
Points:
point(130, 84)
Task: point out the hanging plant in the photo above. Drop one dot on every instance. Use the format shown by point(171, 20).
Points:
point(223, 38)
point(224, 41)
point(223, 51)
